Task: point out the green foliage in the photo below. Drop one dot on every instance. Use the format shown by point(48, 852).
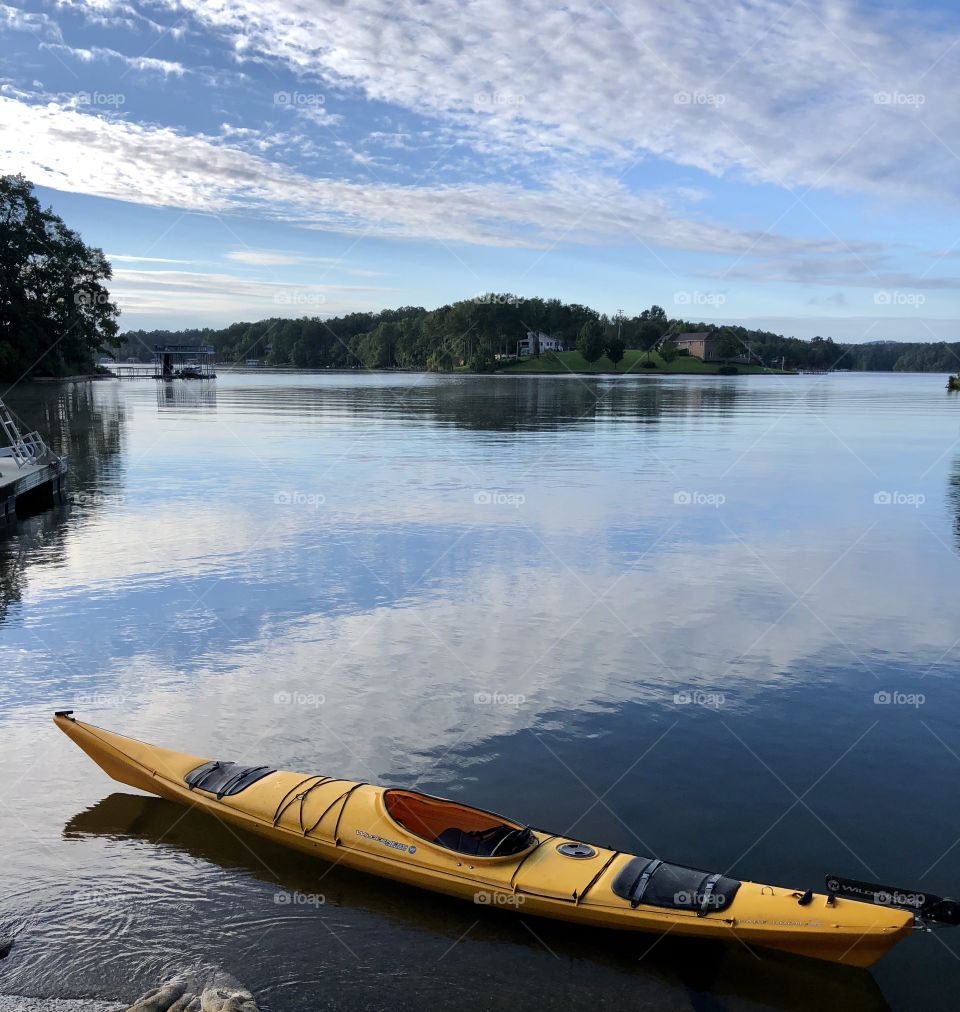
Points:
point(481, 361)
point(729, 345)
point(591, 340)
point(474, 331)
point(614, 349)
point(55, 313)
point(441, 360)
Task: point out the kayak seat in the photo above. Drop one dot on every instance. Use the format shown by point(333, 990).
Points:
point(672, 886)
point(225, 779)
point(485, 843)
point(456, 827)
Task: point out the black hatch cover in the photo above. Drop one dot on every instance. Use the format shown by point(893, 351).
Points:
point(225, 779)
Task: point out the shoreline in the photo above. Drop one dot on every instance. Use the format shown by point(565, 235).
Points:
point(79, 378)
point(20, 1003)
point(511, 370)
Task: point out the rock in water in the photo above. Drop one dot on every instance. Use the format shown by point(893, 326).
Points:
point(227, 1000)
point(190, 993)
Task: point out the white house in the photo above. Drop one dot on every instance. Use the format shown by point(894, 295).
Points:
point(537, 342)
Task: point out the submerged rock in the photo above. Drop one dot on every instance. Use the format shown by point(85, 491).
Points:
point(227, 1000)
point(7, 936)
point(192, 993)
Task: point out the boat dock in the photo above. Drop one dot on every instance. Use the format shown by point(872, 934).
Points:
point(171, 362)
point(31, 474)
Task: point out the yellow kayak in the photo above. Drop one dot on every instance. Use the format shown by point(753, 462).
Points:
point(467, 852)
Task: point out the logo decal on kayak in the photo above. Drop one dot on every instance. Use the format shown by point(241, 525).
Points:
point(392, 844)
point(784, 924)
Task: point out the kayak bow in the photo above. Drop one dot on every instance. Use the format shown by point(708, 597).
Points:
point(473, 854)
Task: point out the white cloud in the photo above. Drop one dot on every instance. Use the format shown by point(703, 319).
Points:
point(118, 13)
point(39, 24)
point(124, 258)
point(219, 296)
point(319, 115)
point(820, 93)
point(278, 258)
point(142, 63)
point(867, 271)
point(108, 157)
point(264, 258)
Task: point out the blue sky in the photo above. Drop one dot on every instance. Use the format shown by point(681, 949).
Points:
point(791, 164)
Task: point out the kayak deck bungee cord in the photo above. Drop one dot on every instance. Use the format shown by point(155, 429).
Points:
point(473, 854)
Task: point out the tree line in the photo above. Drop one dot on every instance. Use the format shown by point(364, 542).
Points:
point(57, 318)
point(477, 333)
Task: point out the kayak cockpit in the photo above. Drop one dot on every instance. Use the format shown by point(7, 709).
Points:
point(456, 827)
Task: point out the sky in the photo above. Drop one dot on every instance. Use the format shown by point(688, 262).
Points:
point(786, 164)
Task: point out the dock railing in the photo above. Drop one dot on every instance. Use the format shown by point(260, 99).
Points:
point(25, 449)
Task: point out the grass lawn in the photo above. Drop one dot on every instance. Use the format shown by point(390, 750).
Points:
point(573, 361)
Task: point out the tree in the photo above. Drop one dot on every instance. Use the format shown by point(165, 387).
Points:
point(668, 351)
point(55, 313)
point(481, 361)
point(614, 349)
point(648, 336)
point(728, 345)
point(377, 348)
point(441, 360)
point(591, 341)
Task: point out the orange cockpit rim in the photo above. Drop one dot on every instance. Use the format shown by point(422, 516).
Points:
point(457, 827)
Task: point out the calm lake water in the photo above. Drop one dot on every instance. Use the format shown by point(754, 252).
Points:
point(653, 613)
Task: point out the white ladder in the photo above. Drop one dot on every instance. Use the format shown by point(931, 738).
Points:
point(28, 449)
